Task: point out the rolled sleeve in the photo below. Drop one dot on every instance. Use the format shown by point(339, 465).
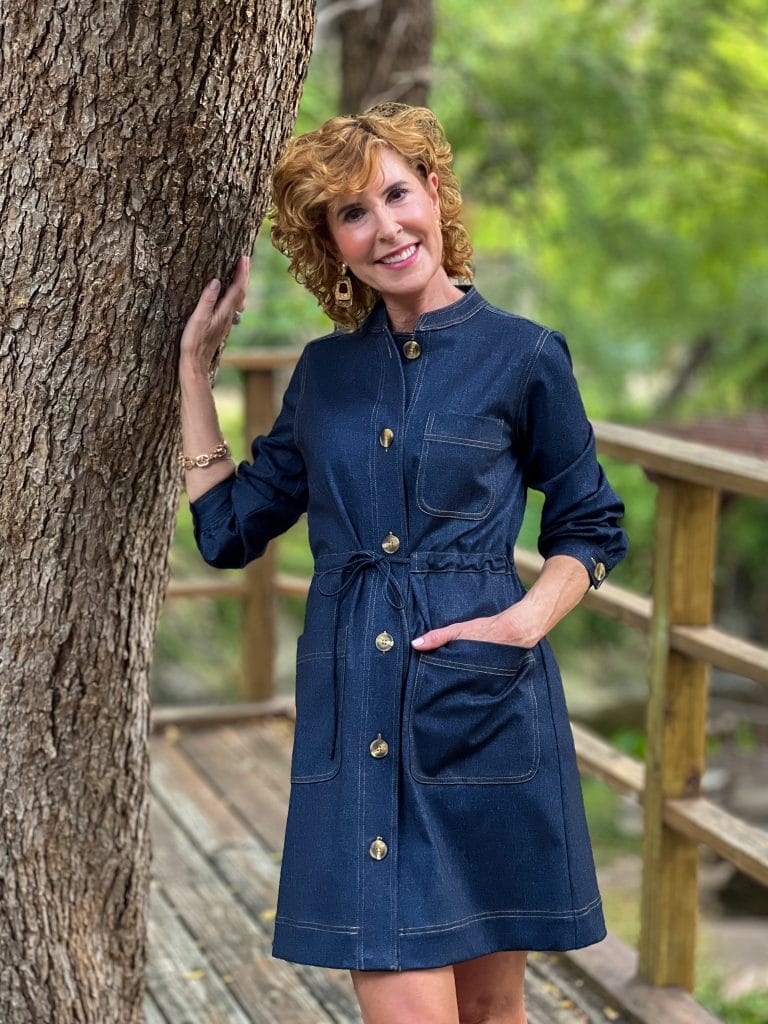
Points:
point(581, 511)
point(235, 520)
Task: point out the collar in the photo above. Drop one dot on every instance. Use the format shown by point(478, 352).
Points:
point(434, 320)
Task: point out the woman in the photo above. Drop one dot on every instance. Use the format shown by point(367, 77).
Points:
point(435, 829)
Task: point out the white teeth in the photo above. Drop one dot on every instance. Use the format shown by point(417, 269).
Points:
point(400, 256)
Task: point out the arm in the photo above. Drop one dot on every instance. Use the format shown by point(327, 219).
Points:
point(561, 584)
point(580, 538)
point(203, 336)
point(236, 515)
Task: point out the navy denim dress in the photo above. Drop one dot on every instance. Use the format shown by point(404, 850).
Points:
point(435, 810)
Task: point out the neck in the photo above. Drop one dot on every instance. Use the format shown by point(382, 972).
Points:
point(404, 311)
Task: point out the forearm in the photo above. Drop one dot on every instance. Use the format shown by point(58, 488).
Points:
point(200, 430)
point(562, 583)
point(204, 336)
point(560, 586)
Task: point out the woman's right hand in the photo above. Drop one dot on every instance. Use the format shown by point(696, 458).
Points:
point(208, 326)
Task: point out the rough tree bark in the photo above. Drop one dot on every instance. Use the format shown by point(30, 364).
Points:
point(386, 48)
point(136, 141)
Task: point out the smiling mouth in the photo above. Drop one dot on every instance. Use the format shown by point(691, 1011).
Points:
point(399, 257)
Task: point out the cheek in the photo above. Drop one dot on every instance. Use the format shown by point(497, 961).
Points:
point(352, 245)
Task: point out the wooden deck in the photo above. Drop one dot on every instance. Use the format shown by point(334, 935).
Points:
point(219, 798)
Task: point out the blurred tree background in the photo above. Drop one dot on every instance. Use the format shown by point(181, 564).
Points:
point(614, 161)
point(613, 157)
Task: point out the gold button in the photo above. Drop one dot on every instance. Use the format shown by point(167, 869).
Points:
point(386, 437)
point(379, 747)
point(412, 349)
point(391, 543)
point(599, 572)
point(384, 641)
point(378, 849)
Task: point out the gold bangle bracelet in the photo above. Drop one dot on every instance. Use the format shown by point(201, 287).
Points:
point(221, 451)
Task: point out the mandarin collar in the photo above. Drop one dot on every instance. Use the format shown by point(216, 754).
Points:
point(434, 319)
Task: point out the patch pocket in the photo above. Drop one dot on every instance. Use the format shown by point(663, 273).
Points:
point(473, 715)
point(457, 468)
point(319, 697)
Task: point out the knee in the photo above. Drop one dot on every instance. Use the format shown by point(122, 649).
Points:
point(482, 1012)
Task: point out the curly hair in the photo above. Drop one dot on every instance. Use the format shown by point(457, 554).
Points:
point(340, 157)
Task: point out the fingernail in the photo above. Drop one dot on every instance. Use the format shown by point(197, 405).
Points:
point(214, 285)
point(418, 642)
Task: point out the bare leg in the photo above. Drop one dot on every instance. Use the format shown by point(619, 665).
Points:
point(407, 997)
point(489, 989)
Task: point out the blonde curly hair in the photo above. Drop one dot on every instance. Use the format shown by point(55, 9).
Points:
point(340, 157)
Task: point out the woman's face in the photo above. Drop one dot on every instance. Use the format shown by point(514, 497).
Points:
point(389, 234)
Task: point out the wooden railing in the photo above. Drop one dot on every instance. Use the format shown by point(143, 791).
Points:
point(682, 643)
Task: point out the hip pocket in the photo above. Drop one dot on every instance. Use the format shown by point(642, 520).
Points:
point(473, 715)
point(457, 468)
point(319, 693)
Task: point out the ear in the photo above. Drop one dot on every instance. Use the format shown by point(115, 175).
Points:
point(432, 183)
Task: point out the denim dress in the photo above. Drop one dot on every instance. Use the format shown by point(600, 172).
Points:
point(435, 811)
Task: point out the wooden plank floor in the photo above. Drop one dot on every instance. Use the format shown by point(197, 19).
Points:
point(219, 798)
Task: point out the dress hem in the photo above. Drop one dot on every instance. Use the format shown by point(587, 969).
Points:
point(492, 934)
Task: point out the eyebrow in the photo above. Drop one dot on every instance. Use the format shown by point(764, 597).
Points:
point(351, 206)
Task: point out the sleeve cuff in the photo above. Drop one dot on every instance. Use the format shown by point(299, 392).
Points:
point(215, 504)
point(593, 560)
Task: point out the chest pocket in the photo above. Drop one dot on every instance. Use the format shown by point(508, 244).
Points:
point(457, 469)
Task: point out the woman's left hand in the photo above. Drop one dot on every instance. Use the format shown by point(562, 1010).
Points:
point(515, 626)
point(561, 584)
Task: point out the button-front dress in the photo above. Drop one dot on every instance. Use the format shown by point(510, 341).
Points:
point(435, 811)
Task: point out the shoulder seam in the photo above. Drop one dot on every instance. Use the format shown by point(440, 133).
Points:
point(544, 334)
point(505, 314)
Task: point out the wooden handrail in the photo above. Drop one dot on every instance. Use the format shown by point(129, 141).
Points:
point(704, 643)
point(703, 822)
point(686, 461)
point(248, 361)
point(683, 644)
point(743, 845)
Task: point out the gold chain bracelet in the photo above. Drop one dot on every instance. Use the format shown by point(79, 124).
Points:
point(221, 451)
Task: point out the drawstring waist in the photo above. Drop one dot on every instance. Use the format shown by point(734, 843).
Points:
point(352, 567)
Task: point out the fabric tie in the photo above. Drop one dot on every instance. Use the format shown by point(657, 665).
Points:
point(353, 571)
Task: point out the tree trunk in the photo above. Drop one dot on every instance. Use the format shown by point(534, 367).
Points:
point(136, 143)
point(386, 48)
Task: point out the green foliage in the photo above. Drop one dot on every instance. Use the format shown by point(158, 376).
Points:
point(630, 741)
point(746, 738)
point(750, 1008)
point(608, 841)
point(613, 157)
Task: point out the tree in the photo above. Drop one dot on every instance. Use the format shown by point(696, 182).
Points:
point(386, 48)
point(614, 157)
point(136, 142)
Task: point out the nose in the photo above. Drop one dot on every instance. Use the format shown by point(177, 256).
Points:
point(388, 227)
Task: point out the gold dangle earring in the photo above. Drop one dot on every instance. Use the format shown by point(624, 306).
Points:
point(342, 293)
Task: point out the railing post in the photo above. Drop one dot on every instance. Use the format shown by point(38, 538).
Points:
point(258, 636)
point(684, 554)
